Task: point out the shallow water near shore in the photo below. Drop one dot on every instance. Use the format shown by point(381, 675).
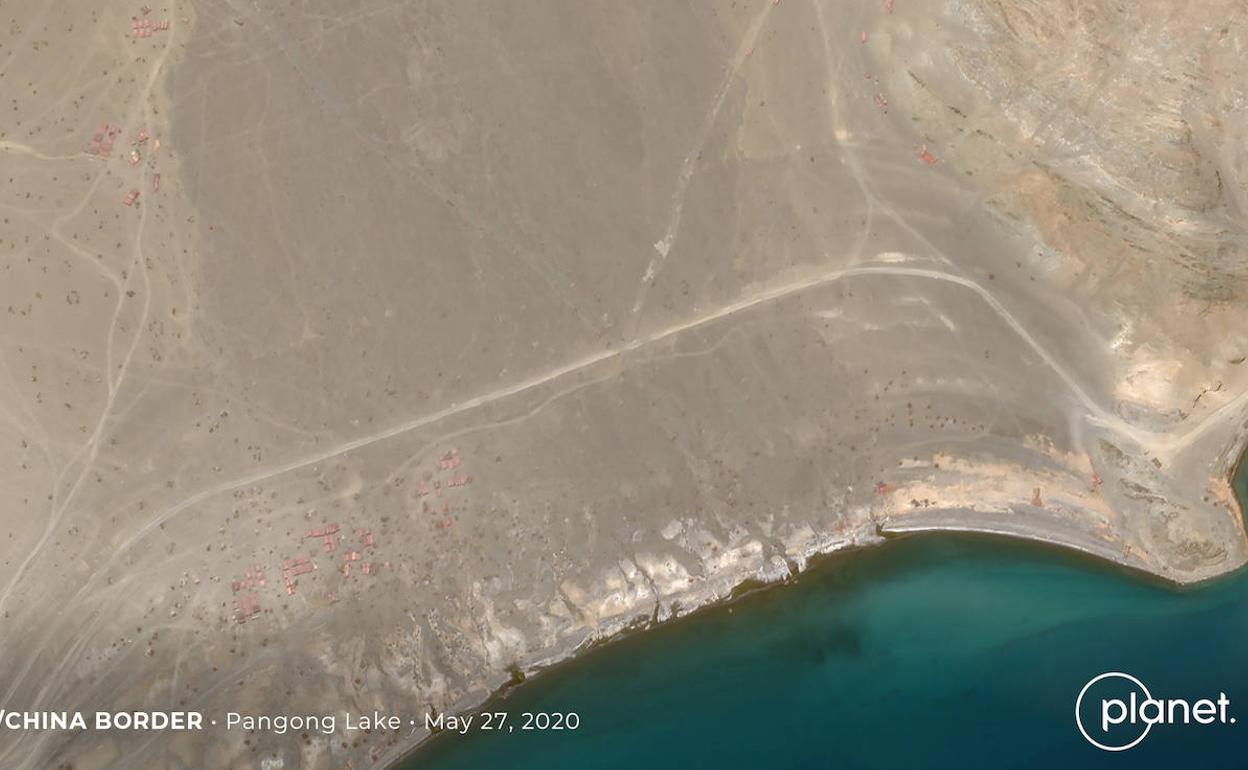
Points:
point(934, 651)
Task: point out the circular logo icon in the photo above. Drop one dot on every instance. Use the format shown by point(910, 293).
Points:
point(1105, 705)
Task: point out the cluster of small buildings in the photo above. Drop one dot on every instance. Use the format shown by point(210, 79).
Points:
point(450, 460)
point(252, 578)
point(424, 506)
point(328, 536)
point(446, 462)
point(293, 568)
point(246, 607)
point(102, 139)
point(366, 568)
point(366, 541)
point(141, 27)
point(101, 145)
point(247, 600)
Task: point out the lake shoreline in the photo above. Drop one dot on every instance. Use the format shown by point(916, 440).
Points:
point(1096, 559)
point(816, 564)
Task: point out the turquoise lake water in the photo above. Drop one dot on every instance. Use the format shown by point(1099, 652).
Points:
point(927, 652)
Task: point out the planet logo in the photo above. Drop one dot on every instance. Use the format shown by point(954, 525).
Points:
point(1115, 711)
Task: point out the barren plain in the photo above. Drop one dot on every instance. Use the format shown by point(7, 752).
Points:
point(359, 354)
